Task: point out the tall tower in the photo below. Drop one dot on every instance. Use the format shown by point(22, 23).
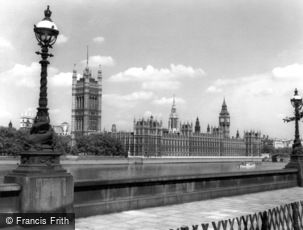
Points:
point(86, 103)
point(74, 106)
point(197, 126)
point(99, 98)
point(224, 120)
point(173, 121)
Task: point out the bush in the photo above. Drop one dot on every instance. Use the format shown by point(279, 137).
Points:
point(62, 144)
point(11, 141)
point(99, 145)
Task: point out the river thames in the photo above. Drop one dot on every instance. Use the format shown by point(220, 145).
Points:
point(106, 171)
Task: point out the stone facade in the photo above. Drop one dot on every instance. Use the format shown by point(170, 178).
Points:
point(26, 122)
point(151, 139)
point(63, 129)
point(86, 103)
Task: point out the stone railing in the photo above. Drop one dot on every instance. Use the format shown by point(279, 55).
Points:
point(93, 197)
point(289, 216)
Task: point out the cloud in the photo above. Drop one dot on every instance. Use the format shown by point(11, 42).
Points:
point(62, 39)
point(280, 80)
point(19, 92)
point(5, 44)
point(161, 85)
point(260, 98)
point(287, 72)
point(254, 82)
point(29, 76)
point(99, 39)
point(213, 89)
point(263, 92)
point(168, 101)
point(148, 114)
point(95, 61)
point(158, 79)
point(138, 74)
point(23, 75)
point(128, 100)
point(61, 79)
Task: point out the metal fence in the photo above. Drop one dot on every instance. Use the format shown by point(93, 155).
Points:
point(284, 217)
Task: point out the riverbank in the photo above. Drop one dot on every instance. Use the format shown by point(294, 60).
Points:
point(96, 160)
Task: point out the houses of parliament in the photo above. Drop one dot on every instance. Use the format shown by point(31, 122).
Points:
point(149, 137)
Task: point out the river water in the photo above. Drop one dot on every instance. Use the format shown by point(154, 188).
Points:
point(129, 171)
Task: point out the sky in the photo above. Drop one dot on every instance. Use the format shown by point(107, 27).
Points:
point(248, 52)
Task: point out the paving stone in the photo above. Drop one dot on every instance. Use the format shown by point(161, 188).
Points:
point(194, 213)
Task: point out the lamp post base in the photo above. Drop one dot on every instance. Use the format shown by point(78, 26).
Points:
point(296, 161)
point(46, 186)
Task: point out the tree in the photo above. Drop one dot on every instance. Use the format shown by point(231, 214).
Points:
point(62, 144)
point(268, 148)
point(11, 141)
point(99, 144)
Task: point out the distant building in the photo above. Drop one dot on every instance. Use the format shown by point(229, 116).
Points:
point(173, 120)
point(26, 121)
point(197, 126)
point(282, 143)
point(224, 120)
point(149, 138)
point(86, 103)
point(63, 129)
point(114, 128)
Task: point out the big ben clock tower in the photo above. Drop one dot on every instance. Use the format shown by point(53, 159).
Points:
point(224, 120)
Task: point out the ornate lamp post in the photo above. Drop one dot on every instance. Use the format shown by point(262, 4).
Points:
point(41, 134)
point(46, 33)
point(296, 158)
point(296, 102)
point(40, 142)
point(40, 173)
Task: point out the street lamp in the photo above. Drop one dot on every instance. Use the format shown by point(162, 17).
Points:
point(46, 186)
point(41, 134)
point(296, 102)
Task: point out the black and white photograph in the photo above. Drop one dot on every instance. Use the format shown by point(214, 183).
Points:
point(151, 114)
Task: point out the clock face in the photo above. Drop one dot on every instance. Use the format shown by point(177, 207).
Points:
point(222, 119)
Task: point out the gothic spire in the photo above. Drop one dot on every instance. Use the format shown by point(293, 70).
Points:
point(224, 110)
point(74, 72)
point(99, 72)
point(87, 56)
point(173, 118)
point(174, 102)
point(10, 125)
point(197, 126)
point(173, 108)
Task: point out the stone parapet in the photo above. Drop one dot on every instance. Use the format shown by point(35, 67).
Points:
point(94, 197)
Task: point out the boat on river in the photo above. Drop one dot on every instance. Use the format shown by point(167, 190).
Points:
point(247, 165)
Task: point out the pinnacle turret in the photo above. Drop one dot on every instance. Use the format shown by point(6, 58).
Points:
point(173, 121)
point(197, 126)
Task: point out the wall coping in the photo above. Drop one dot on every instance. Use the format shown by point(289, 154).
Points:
point(98, 182)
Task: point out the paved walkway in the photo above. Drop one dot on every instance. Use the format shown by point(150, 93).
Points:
point(174, 216)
